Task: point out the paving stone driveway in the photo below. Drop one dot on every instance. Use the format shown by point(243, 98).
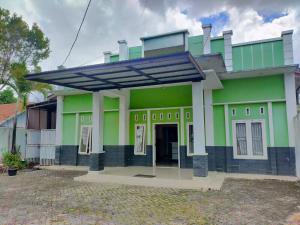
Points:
point(52, 197)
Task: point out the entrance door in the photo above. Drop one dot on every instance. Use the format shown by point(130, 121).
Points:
point(166, 139)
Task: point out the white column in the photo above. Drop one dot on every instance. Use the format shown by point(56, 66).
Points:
point(198, 119)
point(209, 123)
point(123, 50)
point(287, 37)
point(271, 127)
point(107, 56)
point(206, 38)
point(291, 105)
point(124, 118)
point(97, 135)
point(59, 120)
point(228, 49)
point(227, 125)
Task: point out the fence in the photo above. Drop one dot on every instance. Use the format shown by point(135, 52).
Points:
point(35, 145)
point(32, 152)
point(47, 147)
point(6, 139)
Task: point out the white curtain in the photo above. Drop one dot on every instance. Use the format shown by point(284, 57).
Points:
point(241, 138)
point(257, 142)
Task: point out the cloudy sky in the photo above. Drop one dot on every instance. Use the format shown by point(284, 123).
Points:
point(111, 20)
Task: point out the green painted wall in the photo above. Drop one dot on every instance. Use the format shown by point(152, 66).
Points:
point(111, 128)
point(217, 46)
point(250, 89)
point(280, 124)
point(84, 102)
point(135, 52)
point(195, 45)
point(161, 97)
point(75, 103)
point(219, 125)
point(175, 118)
point(114, 58)
point(69, 128)
point(258, 55)
point(254, 114)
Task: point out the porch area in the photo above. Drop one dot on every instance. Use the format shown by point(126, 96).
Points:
point(163, 177)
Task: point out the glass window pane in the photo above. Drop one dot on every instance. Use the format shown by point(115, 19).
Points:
point(241, 139)
point(191, 139)
point(84, 139)
point(257, 142)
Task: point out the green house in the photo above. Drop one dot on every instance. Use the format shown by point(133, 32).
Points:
point(197, 102)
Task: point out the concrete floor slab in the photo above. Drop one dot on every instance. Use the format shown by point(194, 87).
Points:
point(169, 177)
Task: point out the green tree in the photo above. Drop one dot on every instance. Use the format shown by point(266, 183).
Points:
point(22, 48)
point(7, 96)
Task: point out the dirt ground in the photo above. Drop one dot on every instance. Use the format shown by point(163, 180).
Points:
point(52, 197)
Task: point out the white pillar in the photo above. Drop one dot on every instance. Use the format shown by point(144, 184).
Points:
point(59, 120)
point(107, 56)
point(228, 49)
point(97, 135)
point(291, 105)
point(198, 119)
point(209, 123)
point(123, 50)
point(206, 38)
point(124, 117)
point(287, 37)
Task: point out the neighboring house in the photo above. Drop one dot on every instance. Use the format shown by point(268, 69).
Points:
point(35, 135)
point(196, 102)
point(7, 113)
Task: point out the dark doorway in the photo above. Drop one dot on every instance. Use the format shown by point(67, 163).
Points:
point(166, 144)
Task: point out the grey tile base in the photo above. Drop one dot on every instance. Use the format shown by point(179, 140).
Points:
point(200, 165)
point(97, 161)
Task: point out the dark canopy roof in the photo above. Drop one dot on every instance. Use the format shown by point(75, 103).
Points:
point(174, 68)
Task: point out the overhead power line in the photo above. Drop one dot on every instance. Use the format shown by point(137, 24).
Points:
point(69, 53)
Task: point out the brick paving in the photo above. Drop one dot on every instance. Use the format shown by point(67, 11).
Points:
point(52, 197)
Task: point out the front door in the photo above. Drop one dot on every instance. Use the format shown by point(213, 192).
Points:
point(166, 140)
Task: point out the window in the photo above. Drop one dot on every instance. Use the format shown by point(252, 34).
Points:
point(139, 145)
point(247, 111)
point(249, 139)
point(188, 115)
point(233, 112)
point(161, 116)
point(85, 146)
point(136, 117)
point(169, 116)
point(177, 115)
point(144, 117)
point(153, 116)
point(261, 110)
point(190, 139)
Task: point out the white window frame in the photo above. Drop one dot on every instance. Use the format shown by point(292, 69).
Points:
point(249, 139)
point(90, 140)
point(169, 116)
point(144, 137)
point(144, 117)
point(188, 138)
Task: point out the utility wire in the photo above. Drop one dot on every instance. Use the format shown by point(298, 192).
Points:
point(86, 10)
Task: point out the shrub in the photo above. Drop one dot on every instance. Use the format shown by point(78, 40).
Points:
point(12, 160)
